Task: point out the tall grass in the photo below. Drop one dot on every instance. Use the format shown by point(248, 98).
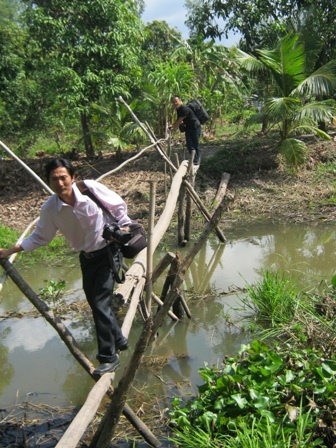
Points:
point(275, 299)
point(56, 250)
point(8, 237)
point(255, 434)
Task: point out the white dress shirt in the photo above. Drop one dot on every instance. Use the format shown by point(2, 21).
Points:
point(82, 225)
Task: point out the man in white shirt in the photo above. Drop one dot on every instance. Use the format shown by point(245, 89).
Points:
point(81, 221)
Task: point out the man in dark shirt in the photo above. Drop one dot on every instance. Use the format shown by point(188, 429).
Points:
point(187, 116)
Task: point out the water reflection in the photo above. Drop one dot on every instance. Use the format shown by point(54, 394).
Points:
point(33, 359)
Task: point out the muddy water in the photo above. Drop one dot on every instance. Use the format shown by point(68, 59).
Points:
point(35, 365)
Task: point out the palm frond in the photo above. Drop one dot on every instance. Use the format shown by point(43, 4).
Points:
point(286, 63)
point(317, 111)
point(117, 143)
point(255, 119)
point(293, 150)
point(320, 83)
point(249, 62)
point(309, 128)
point(282, 108)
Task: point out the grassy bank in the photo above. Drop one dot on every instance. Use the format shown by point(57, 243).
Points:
point(280, 394)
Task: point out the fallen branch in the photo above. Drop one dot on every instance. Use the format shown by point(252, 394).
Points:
point(26, 167)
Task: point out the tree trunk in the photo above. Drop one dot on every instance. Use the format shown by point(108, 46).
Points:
point(87, 136)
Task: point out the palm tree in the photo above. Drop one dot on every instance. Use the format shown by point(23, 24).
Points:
point(170, 79)
point(216, 74)
point(116, 126)
point(294, 107)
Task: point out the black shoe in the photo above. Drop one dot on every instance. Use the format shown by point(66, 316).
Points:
point(107, 367)
point(122, 345)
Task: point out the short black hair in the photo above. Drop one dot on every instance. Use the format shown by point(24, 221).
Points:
point(175, 96)
point(59, 162)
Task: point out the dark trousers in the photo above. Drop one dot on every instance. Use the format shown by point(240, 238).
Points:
point(192, 141)
point(98, 286)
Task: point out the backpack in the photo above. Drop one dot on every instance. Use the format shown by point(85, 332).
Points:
point(198, 109)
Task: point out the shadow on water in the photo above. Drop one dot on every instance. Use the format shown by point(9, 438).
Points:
point(36, 367)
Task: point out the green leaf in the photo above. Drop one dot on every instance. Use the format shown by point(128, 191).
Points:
point(241, 401)
point(208, 419)
point(294, 151)
point(333, 281)
point(290, 376)
point(268, 414)
point(262, 402)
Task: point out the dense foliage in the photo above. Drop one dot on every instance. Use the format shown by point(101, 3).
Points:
point(267, 396)
point(295, 99)
point(64, 65)
point(262, 22)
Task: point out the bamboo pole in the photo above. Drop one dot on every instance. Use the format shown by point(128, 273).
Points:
point(174, 290)
point(48, 314)
point(160, 303)
point(74, 433)
point(221, 191)
point(132, 307)
point(74, 349)
point(138, 268)
point(131, 159)
point(13, 256)
point(181, 217)
point(179, 301)
point(26, 167)
point(106, 429)
point(44, 185)
point(162, 265)
point(188, 208)
point(150, 249)
point(203, 210)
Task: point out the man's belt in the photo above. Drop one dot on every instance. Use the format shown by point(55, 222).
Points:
point(94, 253)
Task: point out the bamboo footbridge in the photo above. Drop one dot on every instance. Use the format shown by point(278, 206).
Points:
point(136, 292)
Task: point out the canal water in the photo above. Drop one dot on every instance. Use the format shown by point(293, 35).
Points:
point(35, 365)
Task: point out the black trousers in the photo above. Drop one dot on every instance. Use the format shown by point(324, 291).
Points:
point(98, 283)
point(192, 141)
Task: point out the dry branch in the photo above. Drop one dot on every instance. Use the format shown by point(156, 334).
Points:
point(131, 159)
point(221, 189)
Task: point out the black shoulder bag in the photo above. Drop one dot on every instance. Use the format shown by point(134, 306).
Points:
point(136, 241)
